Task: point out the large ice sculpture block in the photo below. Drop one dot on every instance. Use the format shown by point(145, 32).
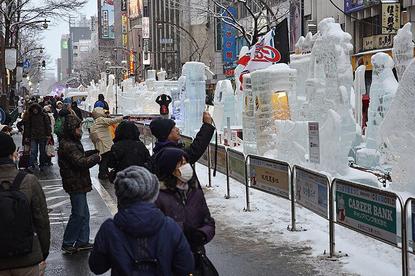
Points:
point(403, 49)
point(382, 92)
point(267, 85)
point(397, 134)
point(248, 117)
point(225, 100)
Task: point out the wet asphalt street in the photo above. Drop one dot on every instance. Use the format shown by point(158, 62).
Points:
point(229, 251)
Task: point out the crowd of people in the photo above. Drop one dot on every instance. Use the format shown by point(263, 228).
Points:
point(163, 222)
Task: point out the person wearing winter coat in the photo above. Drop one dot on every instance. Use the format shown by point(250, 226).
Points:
point(48, 111)
point(102, 138)
point(101, 102)
point(77, 110)
point(74, 164)
point(37, 130)
point(128, 150)
point(182, 199)
point(140, 240)
point(32, 262)
point(168, 135)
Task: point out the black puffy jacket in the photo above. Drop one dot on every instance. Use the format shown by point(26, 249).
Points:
point(128, 150)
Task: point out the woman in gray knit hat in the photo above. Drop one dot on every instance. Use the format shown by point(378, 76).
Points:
point(140, 239)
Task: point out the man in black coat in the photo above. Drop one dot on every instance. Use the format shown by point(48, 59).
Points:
point(168, 135)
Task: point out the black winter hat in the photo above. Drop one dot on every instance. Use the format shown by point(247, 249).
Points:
point(167, 159)
point(7, 145)
point(126, 131)
point(161, 128)
point(70, 124)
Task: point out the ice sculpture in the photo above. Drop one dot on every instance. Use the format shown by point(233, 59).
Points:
point(224, 102)
point(327, 90)
point(248, 117)
point(382, 92)
point(397, 133)
point(359, 87)
point(194, 103)
point(403, 49)
point(270, 86)
point(291, 142)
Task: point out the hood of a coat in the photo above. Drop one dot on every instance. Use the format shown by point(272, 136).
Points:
point(127, 131)
point(71, 123)
point(35, 106)
point(98, 112)
point(140, 219)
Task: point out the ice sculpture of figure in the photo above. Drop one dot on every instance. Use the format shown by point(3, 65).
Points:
point(248, 117)
point(359, 87)
point(224, 102)
point(382, 92)
point(397, 133)
point(195, 96)
point(403, 49)
point(161, 76)
point(327, 90)
point(271, 87)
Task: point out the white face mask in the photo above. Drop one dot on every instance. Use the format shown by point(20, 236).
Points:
point(186, 173)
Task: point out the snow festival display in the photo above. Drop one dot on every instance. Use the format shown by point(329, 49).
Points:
point(403, 49)
point(382, 92)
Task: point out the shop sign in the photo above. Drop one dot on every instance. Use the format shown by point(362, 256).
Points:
point(391, 18)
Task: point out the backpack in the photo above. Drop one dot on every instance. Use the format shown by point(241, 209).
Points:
point(58, 129)
point(16, 228)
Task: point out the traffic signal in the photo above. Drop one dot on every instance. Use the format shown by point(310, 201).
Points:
point(43, 64)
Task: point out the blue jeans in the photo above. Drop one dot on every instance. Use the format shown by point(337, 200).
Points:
point(77, 229)
point(37, 145)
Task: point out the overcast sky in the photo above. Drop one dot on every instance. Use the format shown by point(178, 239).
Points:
point(53, 34)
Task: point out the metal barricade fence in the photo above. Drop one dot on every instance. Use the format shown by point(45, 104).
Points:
point(366, 210)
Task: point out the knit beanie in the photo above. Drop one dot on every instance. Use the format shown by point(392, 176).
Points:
point(136, 184)
point(7, 145)
point(167, 159)
point(161, 128)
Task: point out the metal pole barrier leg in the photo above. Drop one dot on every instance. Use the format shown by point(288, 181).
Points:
point(209, 173)
point(292, 201)
point(228, 188)
point(248, 207)
point(405, 265)
point(331, 222)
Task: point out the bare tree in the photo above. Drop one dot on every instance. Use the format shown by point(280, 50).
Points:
point(255, 17)
point(21, 14)
point(89, 67)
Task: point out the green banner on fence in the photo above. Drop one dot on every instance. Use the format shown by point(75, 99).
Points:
point(367, 210)
point(221, 158)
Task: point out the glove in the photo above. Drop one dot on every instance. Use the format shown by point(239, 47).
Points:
point(195, 237)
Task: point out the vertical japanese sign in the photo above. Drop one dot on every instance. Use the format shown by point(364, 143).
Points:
point(312, 191)
point(146, 27)
point(391, 18)
point(107, 19)
point(124, 5)
point(124, 29)
point(367, 210)
point(132, 63)
point(229, 44)
point(295, 22)
point(269, 176)
point(314, 142)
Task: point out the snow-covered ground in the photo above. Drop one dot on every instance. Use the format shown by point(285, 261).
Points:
point(271, 215)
